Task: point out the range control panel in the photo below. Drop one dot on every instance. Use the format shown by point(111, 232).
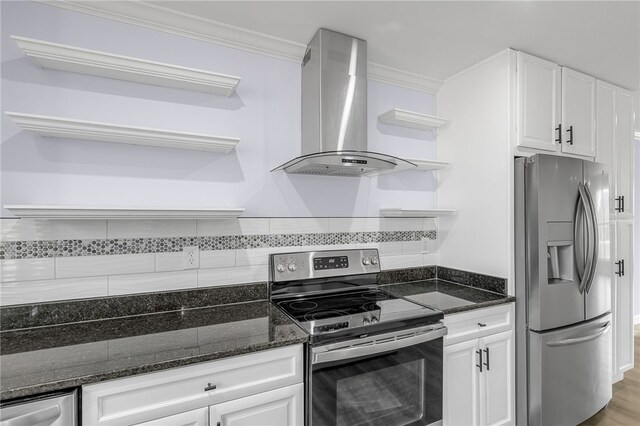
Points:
point(321, 264)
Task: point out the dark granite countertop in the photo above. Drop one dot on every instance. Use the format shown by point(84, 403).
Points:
point(45, 359)
point(446, 296)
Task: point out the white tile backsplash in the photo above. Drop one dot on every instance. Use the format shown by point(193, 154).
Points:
point(236, 275)
point(91, 266)
point(27, 269)
point(62, 278)
point(304, 225)
point(14, 293)
point(59, 229)
point(171, 261)
point(354, 224)
point(241, 226)
point(217, 258)
point(123, 228)
point(158, 281)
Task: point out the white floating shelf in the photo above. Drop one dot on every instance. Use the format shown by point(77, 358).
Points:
point(59, 127)
point(74, 59)
point(415, 120)
point(95, 212)
point(415, 213)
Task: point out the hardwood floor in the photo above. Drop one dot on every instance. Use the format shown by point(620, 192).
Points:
point(624, 408)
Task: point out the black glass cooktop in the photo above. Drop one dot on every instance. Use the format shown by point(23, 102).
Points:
point(356, 313)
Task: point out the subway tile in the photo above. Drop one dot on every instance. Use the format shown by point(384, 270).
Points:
point(136, 228)
point(260, 256)
point(26, 269)
point(171, 261)
point(59, 229)
point(430, 259)
point(87, 266)
point(400, 224)
point(401, 261)
point(432, 246)
point(299, 225)
point(158, 281)
point(390, 248)
point(354, 224)
point(236, 275)
point(326, 247)
point(410, 247)
point(241, 226)
point(217, 258)
point(21, 292)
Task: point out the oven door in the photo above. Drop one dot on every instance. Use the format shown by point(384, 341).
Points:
point(386, 380)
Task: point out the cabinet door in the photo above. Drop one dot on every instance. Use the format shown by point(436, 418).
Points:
point(605, 133)
point(538, 103)
point(623, 299)
point(578, 113)
point(460, 384)
point(624, 149)
point(280, 407)
point(199, 417)
point(497, 382)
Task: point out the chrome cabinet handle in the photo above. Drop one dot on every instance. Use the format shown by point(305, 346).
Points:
point(210, 387)
point(570, 131)
point(479, 365)
point(486, 364)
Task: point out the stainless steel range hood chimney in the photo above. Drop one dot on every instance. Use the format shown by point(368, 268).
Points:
point(334, 111)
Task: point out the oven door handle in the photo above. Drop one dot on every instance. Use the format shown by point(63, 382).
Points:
point(376, 347)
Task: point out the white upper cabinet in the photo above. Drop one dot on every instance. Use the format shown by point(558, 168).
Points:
point(578, 113)
point(538, 100)
point(556, 108)
point(624, 155)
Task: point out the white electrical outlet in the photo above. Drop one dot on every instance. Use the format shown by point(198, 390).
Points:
point(191, 256)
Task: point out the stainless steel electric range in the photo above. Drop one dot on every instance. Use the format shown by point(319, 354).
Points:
point(373, 358)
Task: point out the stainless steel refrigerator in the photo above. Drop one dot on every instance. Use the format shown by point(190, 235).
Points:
point(563, 290)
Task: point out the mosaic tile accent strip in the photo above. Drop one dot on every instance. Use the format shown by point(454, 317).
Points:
point(68, 248)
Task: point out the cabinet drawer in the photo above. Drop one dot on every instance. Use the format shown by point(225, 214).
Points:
point(150, 396)
point(478, 323)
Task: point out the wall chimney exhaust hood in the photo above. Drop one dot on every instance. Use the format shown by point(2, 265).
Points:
point(334, 111)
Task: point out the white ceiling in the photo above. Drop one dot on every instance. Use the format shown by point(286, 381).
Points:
point(439, 39)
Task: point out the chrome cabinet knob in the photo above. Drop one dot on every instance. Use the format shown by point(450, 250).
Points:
point(365, 321)
point(366, 261)
point(280, 267)
point(292, 267)
point(374, 320)
point(374, 260)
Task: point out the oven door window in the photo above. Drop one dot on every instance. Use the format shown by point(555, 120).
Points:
point(403, 387)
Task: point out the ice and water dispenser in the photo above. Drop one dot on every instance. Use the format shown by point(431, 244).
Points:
point(560, 261)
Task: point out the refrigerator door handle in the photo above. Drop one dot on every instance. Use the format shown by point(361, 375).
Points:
point(594, 239)
point(588, 214)
point(576, 340)
point(578, 240)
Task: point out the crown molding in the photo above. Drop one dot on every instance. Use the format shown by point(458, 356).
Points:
point(160, 18)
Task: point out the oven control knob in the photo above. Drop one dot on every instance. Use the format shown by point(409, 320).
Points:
point(366, 261)
point(374, 260)
point(365, 321)
point(292, 267)
point(280, 267)
point(374, 320)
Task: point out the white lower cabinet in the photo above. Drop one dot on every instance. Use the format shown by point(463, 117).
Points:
point(280, 407)
point(199, 417)
point(622, 299)
point(262, 388)
point(478, 379)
